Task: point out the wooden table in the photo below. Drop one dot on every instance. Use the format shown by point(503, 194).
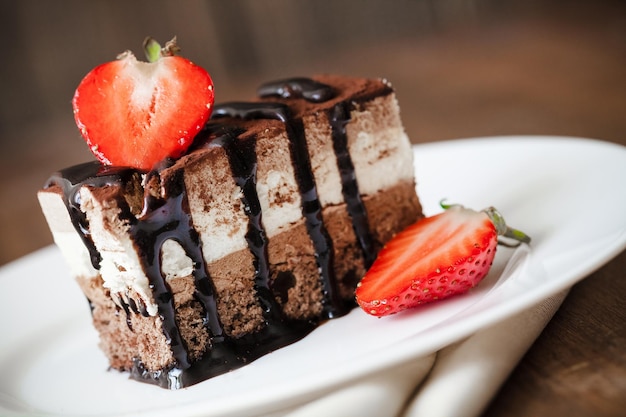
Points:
point(577, 367)
point(560, 72)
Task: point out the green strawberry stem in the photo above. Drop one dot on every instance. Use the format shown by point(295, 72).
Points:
point(154, 51)
point(501, 227)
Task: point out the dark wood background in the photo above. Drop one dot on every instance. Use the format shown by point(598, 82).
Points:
point(461, 68)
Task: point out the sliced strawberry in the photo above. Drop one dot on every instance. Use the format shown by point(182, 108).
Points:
point(134, 113)
point(435, 258)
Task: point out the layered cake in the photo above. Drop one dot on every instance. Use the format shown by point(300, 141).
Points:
point(256, 235)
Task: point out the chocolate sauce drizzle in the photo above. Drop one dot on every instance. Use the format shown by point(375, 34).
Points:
point(311, 207)
point(164, 218)
point(167, 217)
point(305, 88)
point(243, 164)
point(71, 180)
point(339, 117)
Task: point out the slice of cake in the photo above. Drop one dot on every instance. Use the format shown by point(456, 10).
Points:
point(244, 244)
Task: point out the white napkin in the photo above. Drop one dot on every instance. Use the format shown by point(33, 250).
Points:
point(460, 379)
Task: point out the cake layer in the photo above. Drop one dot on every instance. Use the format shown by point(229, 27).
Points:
point(244, 244)
point(126, 335)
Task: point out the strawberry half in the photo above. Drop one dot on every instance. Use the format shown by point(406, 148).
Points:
point(435, 258)
point(136, 114)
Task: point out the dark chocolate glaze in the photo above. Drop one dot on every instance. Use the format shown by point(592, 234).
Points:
point(333, 306)
point(312, 211)
point(339, 116)
point(71, 180)
point(301, 87)
point(167, 217)
point(252, 111)
point(226, 353)
point(243, 164)
point(126, 308)
point(162, 219)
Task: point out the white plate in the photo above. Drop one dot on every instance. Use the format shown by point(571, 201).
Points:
point(568, 194)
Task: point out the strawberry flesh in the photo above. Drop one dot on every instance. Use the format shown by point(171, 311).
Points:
point(435, 258)
point(134, 113)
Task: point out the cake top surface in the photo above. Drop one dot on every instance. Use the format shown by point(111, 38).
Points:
point(264, 116)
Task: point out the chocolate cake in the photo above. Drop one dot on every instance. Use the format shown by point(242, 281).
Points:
point(245, 244)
